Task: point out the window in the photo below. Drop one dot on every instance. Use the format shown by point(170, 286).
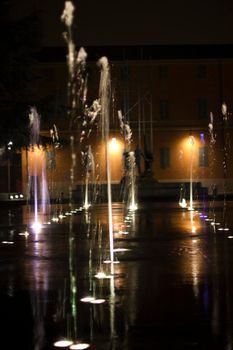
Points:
point(203, 157)
point(202, 108)
point(163, 72)
point(90, 73)
point(201, 71)
point(163, 109)
point(49, 74)
point(125, 73)
point(164, 158)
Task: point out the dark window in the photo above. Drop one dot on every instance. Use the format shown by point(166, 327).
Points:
point(201, 71)
point(163, 72)
point(89, 74)
point(49, 74)
point(202, 108)
point(203, 157)
point(163, 109)
point(164, 158)
point(125, 73)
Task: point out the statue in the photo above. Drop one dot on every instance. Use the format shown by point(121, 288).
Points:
point(148, 159)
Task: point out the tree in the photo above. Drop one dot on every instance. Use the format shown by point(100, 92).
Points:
point(20, 40)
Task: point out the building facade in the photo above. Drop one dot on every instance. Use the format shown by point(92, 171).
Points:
point(173, 105)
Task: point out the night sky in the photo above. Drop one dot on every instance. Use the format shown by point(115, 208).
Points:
point(147, 22)
point(131, 22)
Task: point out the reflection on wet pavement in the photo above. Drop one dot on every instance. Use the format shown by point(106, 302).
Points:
point(170, 285)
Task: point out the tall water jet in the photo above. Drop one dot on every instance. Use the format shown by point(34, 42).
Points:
point(104, 97)
point(34, 126)
point(77, 86)
point(191, 142)
point(51, 154)
point(212, 142)
point(133, 204)
point(89, 170)
point(225, 149)
point(38, 178)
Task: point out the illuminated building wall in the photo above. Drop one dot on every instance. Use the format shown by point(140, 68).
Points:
point(164, 101)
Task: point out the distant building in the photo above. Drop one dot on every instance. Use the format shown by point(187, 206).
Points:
point(166, 94)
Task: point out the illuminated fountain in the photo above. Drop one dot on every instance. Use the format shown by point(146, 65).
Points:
point(225, 149)
point(77, 91)
point(132, 166)
point(76, 99)
point(191, 142)
point(89, 170)
point(38, 187)
point(104, 98)
point(86, 116)
point(212, 142)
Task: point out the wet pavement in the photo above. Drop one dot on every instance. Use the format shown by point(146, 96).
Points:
point(171, 285)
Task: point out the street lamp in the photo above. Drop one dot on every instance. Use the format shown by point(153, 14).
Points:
point(9, 147)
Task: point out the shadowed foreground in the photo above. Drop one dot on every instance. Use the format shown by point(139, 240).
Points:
point(172, 284)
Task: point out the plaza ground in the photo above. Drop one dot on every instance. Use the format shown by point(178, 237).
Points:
point(171, 287)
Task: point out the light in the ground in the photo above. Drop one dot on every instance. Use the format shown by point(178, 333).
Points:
point(108, 261)
point(101, 275)
point(223, 229)
point(121, 250)
point(36, 226)
point(98, 301)
point(63, 343)
point(79, 346)
point(87, 299)
point(133, 207)
point(183, 203)
point(86, 206)
point(54, 219)
point(26, 234)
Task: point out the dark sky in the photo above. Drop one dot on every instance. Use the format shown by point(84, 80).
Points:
point(134, 22)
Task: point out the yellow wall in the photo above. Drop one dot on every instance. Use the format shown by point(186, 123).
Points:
point(143, 90)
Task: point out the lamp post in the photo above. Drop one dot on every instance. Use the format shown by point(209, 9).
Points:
point(9, 148)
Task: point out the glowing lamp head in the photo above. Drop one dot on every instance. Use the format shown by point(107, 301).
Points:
point(114, 146)
point(191, 140)
point(202, 137)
